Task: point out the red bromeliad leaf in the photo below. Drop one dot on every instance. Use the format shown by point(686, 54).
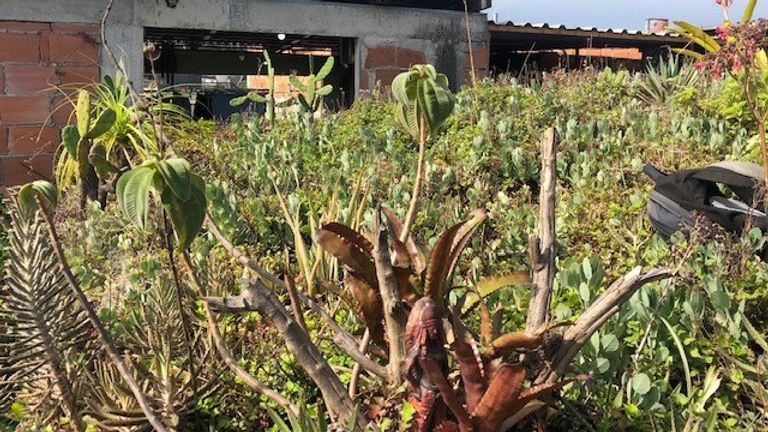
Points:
point(497, 403)
point(473, 374)
point(510, 342)
point(438, 265)
point(370, 305)
point(445, 255)
point(348, 233)
point(462, 237)
point(405, 281)
point(350, 248)
point(416, 256)
point(435, 373)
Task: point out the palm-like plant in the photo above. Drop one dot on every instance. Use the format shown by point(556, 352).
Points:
point(43, 322)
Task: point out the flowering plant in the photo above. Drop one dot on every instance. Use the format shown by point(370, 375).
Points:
point(739, 51)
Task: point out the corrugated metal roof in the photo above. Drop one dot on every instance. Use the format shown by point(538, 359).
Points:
point(560, 27)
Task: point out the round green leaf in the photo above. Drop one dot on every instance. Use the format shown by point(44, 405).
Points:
point(610, 343)
point(83, 112)
point(641, 383)
point(70, 138)
point(102, 124)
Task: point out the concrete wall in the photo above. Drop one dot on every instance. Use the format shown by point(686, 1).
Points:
point(389, 40)
point(438, 37)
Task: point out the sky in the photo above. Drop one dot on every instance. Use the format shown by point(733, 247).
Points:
point(628, 14)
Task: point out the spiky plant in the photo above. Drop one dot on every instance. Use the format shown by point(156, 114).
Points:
point(43, 325)
point(492, 386)
point(152, 330)
point(665, 80)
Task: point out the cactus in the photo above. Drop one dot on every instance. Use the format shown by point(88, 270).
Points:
point(78, 139)
point(310, 96)
point(269, 99)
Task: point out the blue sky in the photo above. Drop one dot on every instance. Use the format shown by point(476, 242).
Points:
point(630, 14)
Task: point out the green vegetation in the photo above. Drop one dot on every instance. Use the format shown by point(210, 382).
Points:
point(244, 272)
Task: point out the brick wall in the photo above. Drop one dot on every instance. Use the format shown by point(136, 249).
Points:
point(384, 63)
point(39, 64)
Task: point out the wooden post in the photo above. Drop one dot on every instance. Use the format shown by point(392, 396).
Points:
point(542, 245)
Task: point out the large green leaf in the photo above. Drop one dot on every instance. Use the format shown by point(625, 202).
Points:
point(102, 124)
point(436, 103)
point(133, 194)
point(187, 216)
point(39, 188)
point(177, 174)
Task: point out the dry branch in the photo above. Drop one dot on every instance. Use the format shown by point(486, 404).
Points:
point(543, 244)
point(596, 315)
point(394, 315)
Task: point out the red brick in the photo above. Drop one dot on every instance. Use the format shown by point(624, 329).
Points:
point(407, 57)
point(2, 80)
point(481, 57)
point(385, 77)
point(24, 26)
point(24, 109)
point(29, 78)
point(65, 48)
point(32, 140)
point(79, 75)
point(18, 47)
point(364, 80)
point(3, 140)
point(62, 109)
point(24, 169)
point(75, 28)
point(385, 56)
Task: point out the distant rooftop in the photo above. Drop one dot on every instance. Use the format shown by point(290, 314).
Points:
point(472, 5)
point(551, 36)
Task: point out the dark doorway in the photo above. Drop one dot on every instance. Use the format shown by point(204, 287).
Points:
point(209, 68)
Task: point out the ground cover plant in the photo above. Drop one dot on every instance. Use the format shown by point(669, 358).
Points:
point(262, 274)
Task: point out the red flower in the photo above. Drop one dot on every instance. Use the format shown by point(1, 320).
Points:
point(724, 3)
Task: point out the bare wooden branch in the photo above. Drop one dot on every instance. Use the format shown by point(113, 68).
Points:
point(543, 264)
point(307, 354)
point(341, 338)
point(596, 315)
point(221, 344)
point(394, 315)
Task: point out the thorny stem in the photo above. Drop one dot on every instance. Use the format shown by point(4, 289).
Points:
point(106, 340)
point(411, 215)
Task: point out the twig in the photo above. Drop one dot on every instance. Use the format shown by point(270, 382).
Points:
point(357, 368)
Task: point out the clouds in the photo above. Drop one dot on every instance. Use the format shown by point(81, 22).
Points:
point(629, 14)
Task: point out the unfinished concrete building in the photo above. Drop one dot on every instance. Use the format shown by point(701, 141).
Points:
point(214, 45)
